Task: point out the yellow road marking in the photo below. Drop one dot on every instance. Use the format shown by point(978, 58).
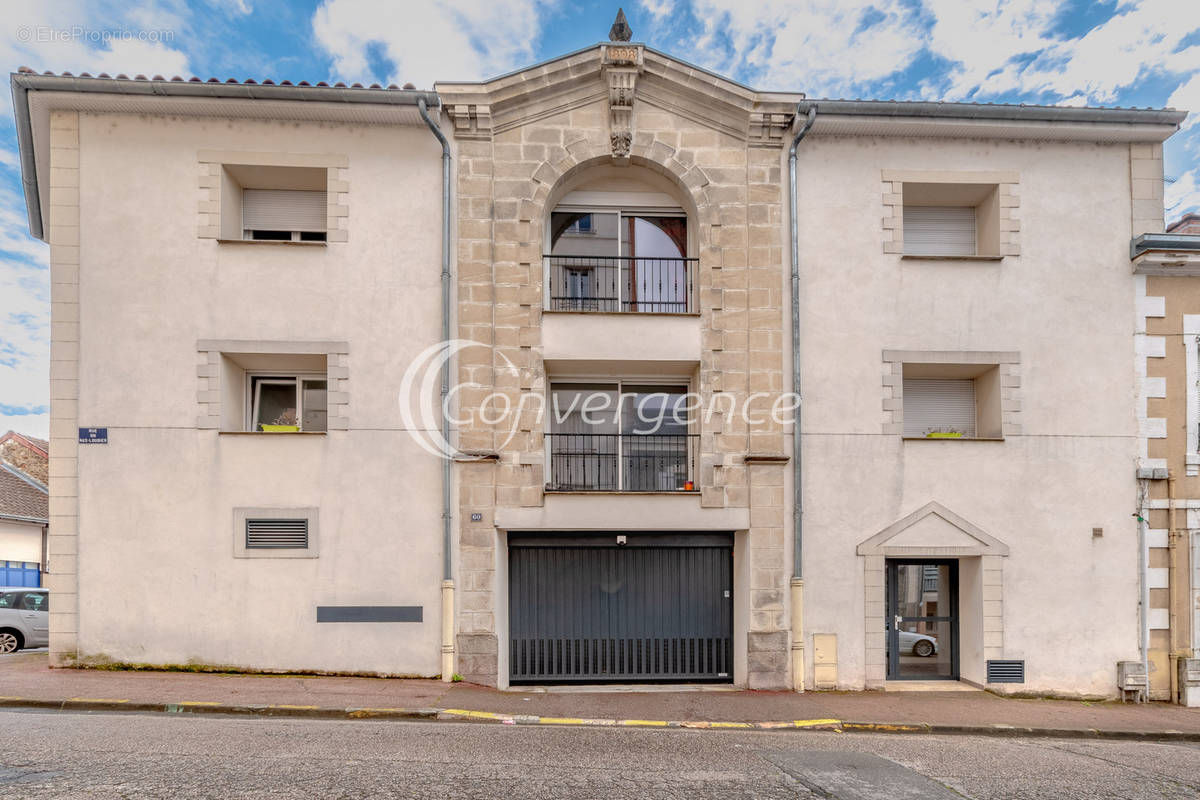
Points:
point(94, 700)
point(643, 723)
point(560, 721)
point(808, 723)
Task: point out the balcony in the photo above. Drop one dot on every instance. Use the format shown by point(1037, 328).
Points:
point(619, 284)
point(611, 462)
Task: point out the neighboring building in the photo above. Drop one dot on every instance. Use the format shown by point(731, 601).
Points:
point(620, 229)
point(24, 516)
point(1167, 272)
point(1188, 224)
point(28, 454)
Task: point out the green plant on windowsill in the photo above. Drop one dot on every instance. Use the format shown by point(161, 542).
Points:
point(943, 433)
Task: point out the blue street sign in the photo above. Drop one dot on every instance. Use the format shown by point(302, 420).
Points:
point(93, 435)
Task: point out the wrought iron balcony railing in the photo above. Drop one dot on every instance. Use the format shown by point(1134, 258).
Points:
point(621, 284)
point(611, 462)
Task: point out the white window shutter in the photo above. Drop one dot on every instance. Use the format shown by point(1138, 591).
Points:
point(939, 230)
point(283, 210)
point(937, 404)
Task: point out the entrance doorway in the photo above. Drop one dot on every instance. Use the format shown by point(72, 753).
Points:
point(922, 619)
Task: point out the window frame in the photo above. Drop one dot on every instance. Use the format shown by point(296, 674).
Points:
point(997, 212)
point(256, 379)
point(1004, 394)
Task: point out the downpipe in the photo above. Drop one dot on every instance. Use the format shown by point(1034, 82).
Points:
point(447, 539)
point(797, 582)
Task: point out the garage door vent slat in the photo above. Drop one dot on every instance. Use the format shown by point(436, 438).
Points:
point(605, 659)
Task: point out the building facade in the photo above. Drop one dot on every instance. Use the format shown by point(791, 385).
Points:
point(622, 360)
point(23, 510)
point(1167, 274)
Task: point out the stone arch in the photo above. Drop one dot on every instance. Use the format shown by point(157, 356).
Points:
point(553, 180)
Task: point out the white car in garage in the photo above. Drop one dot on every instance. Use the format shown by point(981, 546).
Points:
point(24, 618)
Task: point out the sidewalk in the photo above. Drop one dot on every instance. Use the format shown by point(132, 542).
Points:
point(26, 681)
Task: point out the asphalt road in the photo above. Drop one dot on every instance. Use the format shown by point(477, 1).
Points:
point(56, 754)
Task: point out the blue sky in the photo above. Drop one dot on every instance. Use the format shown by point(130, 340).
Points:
point(1034, 51)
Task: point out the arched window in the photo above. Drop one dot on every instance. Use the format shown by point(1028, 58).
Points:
point(619, 243)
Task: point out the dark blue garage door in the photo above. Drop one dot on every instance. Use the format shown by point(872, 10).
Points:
point(585, 608)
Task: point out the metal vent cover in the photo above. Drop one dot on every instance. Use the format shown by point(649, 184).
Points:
point(1005, 671)
point(276, 534)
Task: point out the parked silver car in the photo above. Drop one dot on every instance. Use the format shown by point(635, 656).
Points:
point(917, 643)
point(24, 618)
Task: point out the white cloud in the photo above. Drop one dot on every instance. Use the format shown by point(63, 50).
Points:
point(109, 36)
point(1010, 47)
point(659, 9)
point(451, 40)
point(823, 47)
point(1182, 196)
point(1187, 97)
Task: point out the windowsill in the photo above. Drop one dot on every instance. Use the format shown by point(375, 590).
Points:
point(622, 313)
point(952, 439)
point(919, 257)
point(272, 241)
point(272, 433)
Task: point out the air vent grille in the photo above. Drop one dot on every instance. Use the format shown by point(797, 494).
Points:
point(276, 534)
point(1006, 672)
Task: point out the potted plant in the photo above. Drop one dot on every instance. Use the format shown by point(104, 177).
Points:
point(284, 423)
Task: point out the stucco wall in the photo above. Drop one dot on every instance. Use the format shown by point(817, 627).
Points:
point(1069, 598)
point(159, 582)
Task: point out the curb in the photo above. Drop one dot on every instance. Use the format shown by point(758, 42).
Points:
point(466, 715)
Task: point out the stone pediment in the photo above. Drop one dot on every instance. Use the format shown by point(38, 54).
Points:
point(623, 74)
point(932, 530)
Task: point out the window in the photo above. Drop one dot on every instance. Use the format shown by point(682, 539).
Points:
point(951, 401)
point(940, 230)
point(619, 244)
point(288, 215)
point(280, 404)
point(297, 198)
point(275, 532)
point(944, 214)
point(628, 437)
point(272, 387)
point(930, 394)
point(950, 219)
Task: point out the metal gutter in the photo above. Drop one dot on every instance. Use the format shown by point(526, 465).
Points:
point(797, 582)
point(22, 83)
point(1163, 241)
point(993, 111)
point(19, 518)
point(447, 538)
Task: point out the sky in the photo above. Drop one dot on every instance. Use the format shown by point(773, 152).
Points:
point(1107, 53)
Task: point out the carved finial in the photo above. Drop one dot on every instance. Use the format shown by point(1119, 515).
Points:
point(620, 30)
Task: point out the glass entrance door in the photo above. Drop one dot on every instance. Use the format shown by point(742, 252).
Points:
point(922, 620)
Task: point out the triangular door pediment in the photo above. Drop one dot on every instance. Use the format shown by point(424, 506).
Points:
point(932, 530)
